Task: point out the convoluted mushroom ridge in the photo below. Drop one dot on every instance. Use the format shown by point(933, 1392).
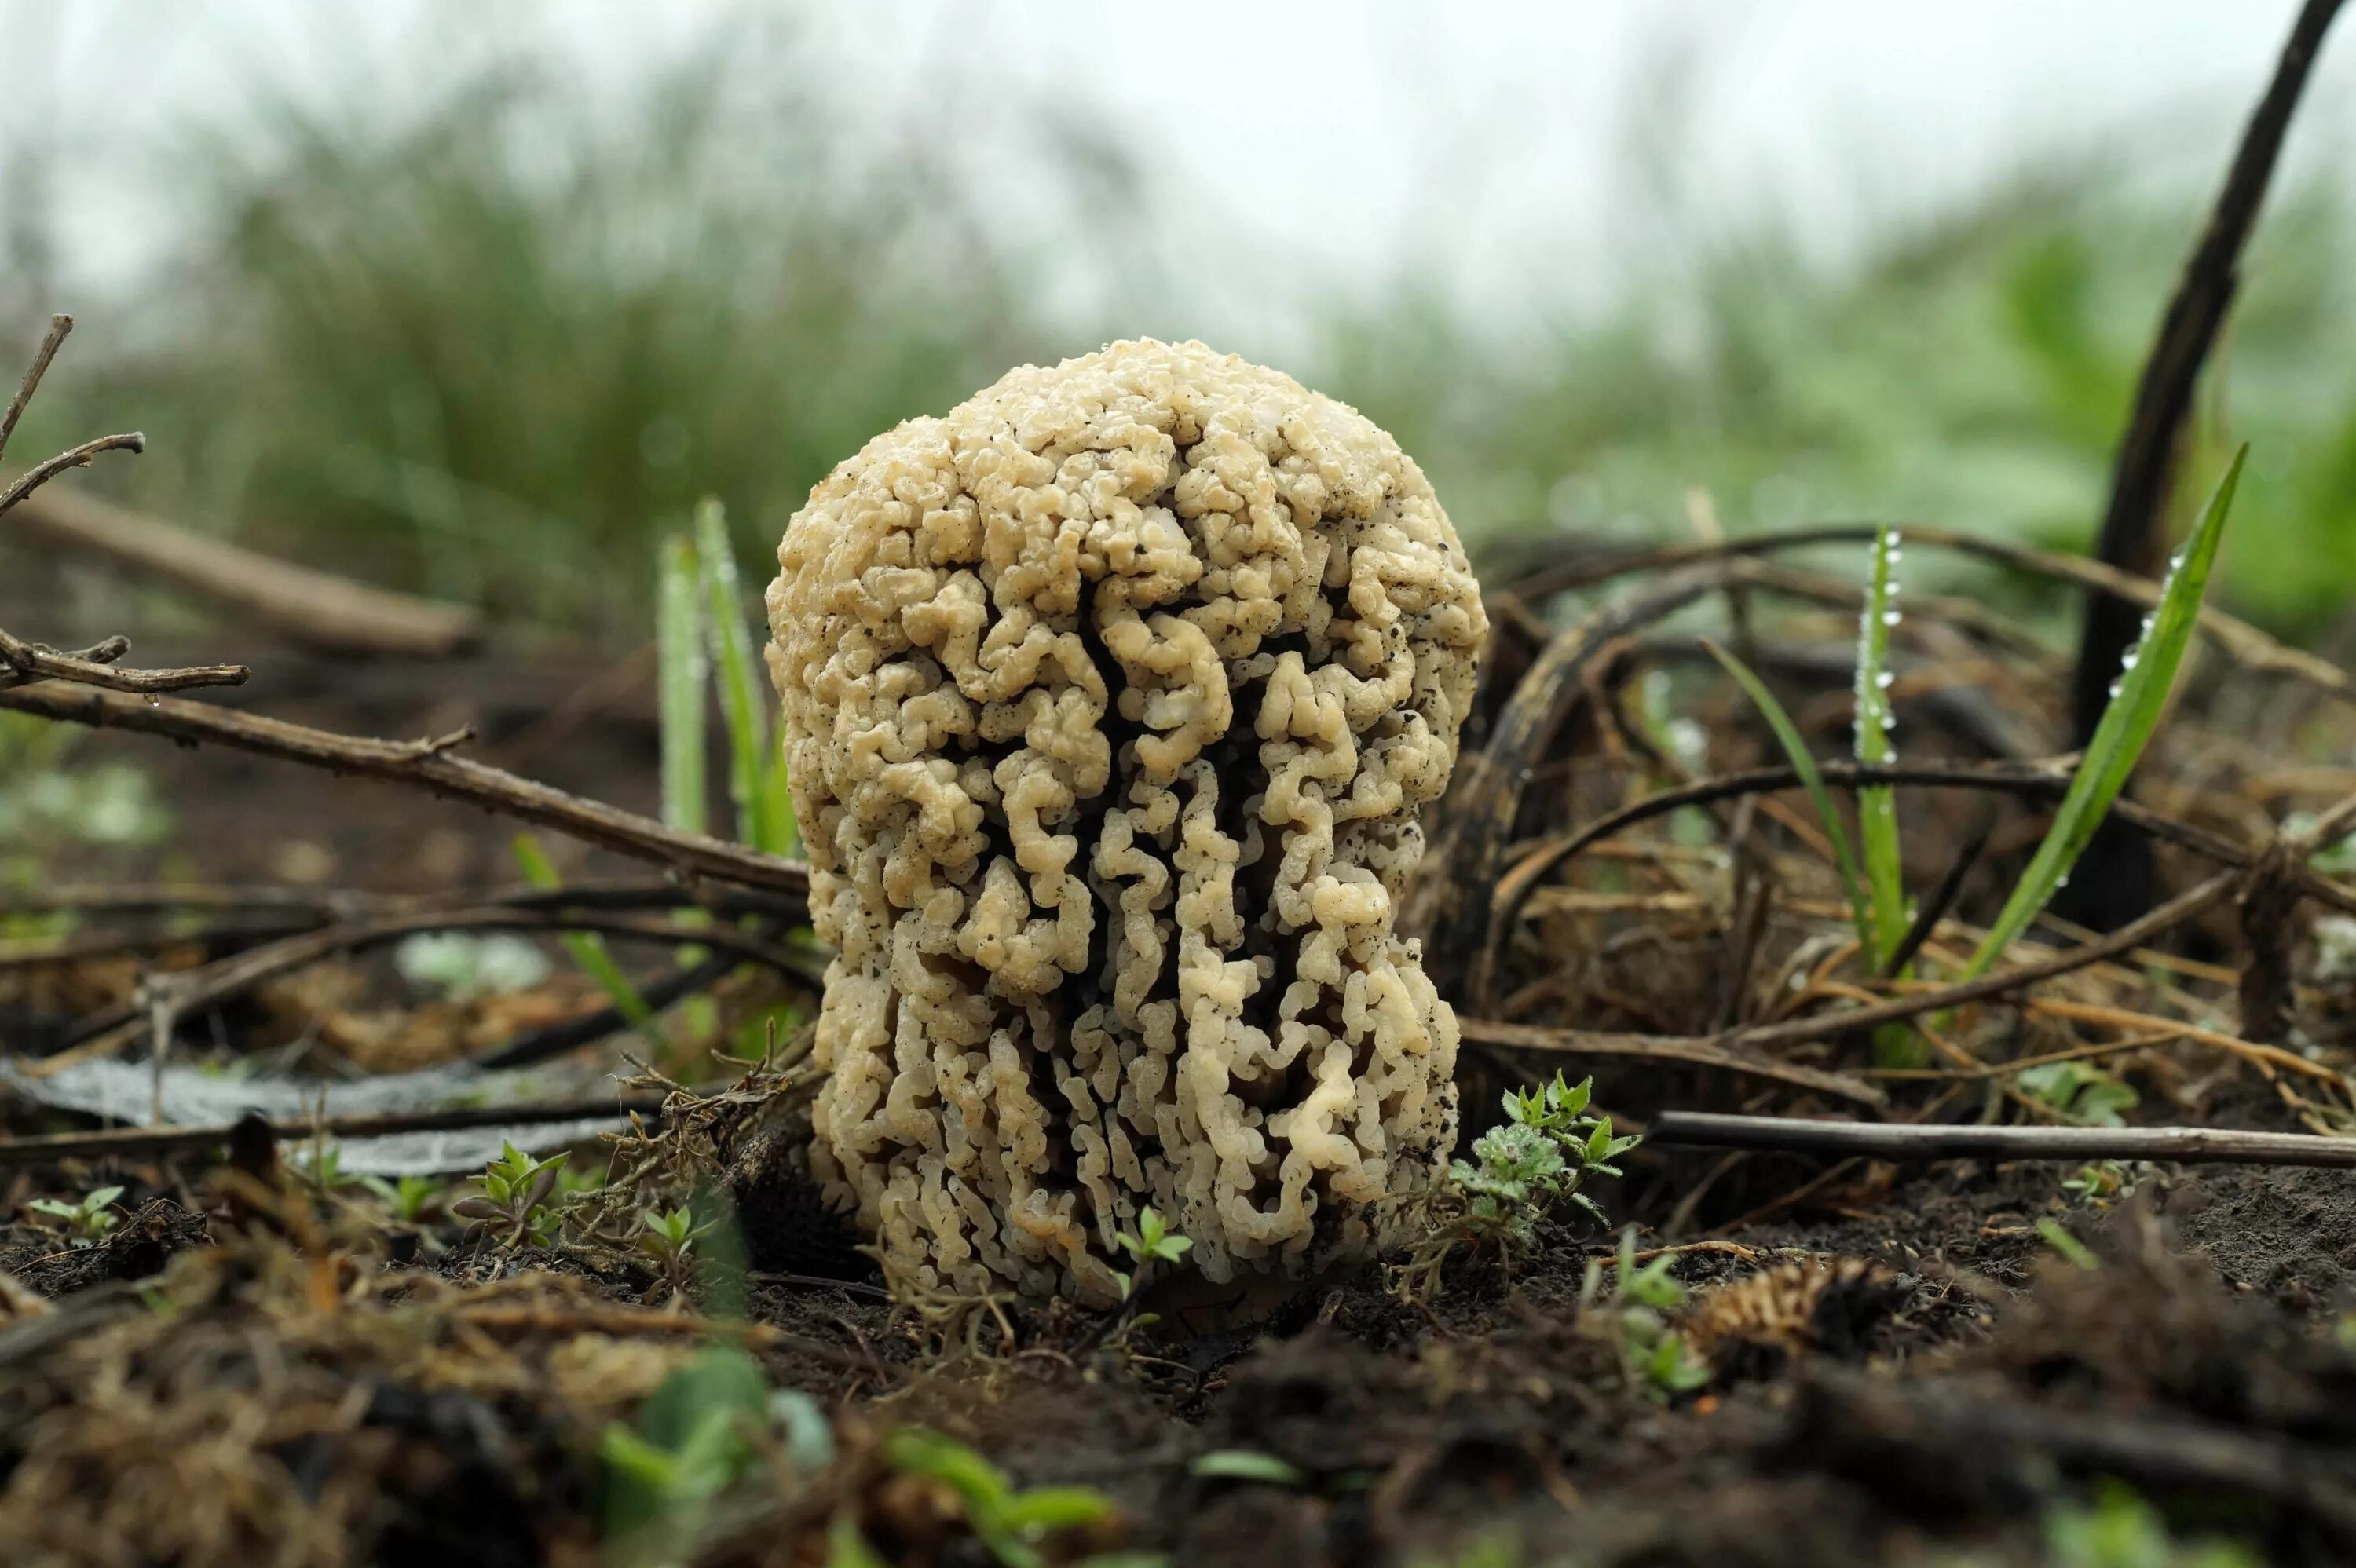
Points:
point(1111, 699)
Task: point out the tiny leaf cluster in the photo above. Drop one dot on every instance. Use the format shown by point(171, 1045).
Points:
point(1542, 1156)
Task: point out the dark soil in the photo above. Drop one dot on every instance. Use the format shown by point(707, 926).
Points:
point(1960, 1395)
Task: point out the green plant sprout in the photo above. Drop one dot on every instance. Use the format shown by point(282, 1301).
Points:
point(407, 1199)
point(2069, 1248)
point(757, 768)
point(1010, 1524)
point(1811, 779)
point(1877, 804)
point(2138, 701)
point(462, 966)
point(1652, 1356)
point(669, 1238)
point(322, 1165)
point(1546, 1150)
point(1247, 1464)
point(702, 642)
point(588, 949)
point(683, 669)
point(88, 1221)
point(698, 1434)
point(2120, 1529)
point(1153, 1242)
point(511, 1197)
point(2097, 1182)
point(2086, 1096)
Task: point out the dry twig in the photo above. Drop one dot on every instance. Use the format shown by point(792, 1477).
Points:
point(423, 764)
point(1915, 1141)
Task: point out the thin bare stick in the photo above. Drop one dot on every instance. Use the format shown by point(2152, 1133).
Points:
point(30, 661)
point(420, 763)
point(140, 1143)
point(350, 904)
point(1721, 1055)
point(81, 457)
point(1901, 1141)
point(59, 326)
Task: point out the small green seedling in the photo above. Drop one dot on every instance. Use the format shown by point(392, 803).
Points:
point(1153, 1242)
point(1247, 1464)
point(1547, 1149)
point(508, 1202)
point(756, 766)
point(86, 1223)
point(2122, 1530)
point(1011, 1524)
point(2069, 1248)
point(698, 1434)
point(588, 948)
point(2097, 1182)
point(1652, 1356)
point(322, 1165)
point(463, 966)
point(2086, 1096)
point(2138, 700)
point(1877, 804)
point(669, 1238)
point(407, 1199)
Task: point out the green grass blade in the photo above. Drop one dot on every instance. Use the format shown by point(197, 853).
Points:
point(2138, 699)
point(1796, 749)
point(1877, 805)
point(685, 665)
point(756, 778)
point(588, 949)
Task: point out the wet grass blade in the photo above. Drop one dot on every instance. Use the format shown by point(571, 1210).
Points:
point(1796, 749)
point(2138, 700)
point(756, 774)
point(685, 665)
point(1877, 804)
point(588, 949)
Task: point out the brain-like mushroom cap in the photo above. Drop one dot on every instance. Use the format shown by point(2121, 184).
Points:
point(1110, 702)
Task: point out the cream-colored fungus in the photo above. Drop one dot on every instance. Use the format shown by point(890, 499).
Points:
point(1112, 699)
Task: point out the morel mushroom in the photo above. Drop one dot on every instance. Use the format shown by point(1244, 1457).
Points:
point(1110, 701)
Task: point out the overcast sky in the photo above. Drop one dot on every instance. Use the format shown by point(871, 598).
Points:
point(1490, 144)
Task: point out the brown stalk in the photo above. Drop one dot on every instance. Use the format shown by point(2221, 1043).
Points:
point(1915, 1141)
point(422, 764)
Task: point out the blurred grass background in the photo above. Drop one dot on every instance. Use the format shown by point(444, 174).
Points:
point(493, 347)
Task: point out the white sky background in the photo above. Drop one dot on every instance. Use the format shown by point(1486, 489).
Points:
point(1282, 142)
